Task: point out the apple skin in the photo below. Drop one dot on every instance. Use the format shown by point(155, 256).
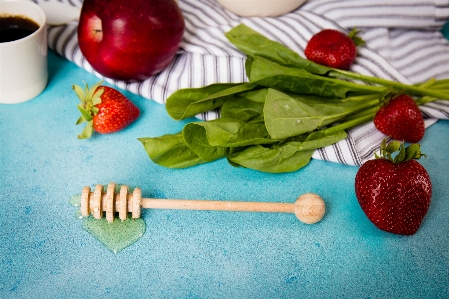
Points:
point(130, 40)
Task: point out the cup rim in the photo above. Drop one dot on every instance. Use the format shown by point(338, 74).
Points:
point(37, 8)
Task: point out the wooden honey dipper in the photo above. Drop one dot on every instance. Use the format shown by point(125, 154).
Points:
point(308, 208)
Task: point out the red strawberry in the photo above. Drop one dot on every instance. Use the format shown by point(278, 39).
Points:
point(104, 109)
point(394, 194)
point(333, 48)
point(401, 119)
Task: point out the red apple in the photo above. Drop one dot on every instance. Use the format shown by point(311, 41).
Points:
point(130, 40)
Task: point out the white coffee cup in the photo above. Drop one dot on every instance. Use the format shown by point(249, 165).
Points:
point(23, 62)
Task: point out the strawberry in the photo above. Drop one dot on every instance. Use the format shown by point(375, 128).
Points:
point(333, 48)
point(401, 119)
point(104, 109)
point(394, 193)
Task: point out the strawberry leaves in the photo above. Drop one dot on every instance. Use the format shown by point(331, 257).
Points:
point(354, 35)
point(403, 154)
point(88, 130)
point(89, 97)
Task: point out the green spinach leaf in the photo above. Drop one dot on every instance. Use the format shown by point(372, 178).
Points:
point(246, 106)
point(170, 151)
point(195, 137)
point(189, 102)
point(286, 156)
point(288, 115)
point(225, 132)
point(253, 43)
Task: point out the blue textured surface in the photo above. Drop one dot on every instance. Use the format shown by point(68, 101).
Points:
point(44, 253)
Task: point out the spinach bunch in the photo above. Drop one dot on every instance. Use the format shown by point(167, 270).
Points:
point(289, 108)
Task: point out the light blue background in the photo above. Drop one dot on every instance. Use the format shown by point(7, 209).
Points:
point(44, 252)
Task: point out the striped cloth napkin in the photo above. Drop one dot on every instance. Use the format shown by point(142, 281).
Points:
point(403, 43)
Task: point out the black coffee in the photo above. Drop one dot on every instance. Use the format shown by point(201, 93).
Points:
point(15, 27)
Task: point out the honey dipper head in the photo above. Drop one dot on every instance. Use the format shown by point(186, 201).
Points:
point(108, 202)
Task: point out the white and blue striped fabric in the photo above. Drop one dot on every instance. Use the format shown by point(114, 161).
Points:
point(403, 37)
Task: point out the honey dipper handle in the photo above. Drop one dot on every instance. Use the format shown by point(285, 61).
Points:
point(213, 205)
